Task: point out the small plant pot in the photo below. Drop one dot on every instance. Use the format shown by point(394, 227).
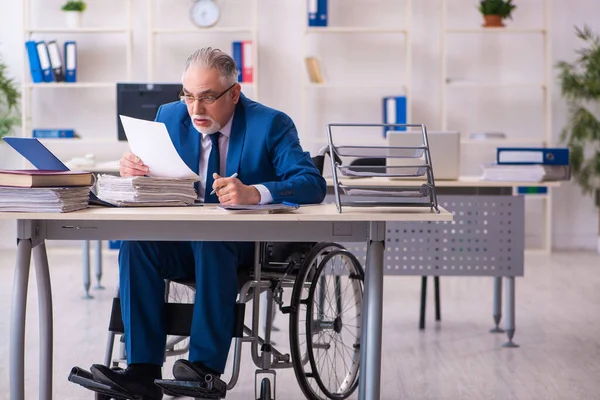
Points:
point(493, 21)
point(73, 19)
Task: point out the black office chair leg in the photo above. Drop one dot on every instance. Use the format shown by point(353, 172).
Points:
point(423, 302)
point(436, 289)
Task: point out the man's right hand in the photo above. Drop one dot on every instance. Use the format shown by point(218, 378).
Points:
point(131, 165)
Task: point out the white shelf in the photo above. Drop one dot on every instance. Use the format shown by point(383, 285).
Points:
point(358, 29)
point(73, 85)
point(497, 30)
point(472, 84)
point(232, 29)
point(78, 30)
point(502, 142)
point(350, 85)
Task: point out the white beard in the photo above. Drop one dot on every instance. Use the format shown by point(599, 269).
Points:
point(209, 130)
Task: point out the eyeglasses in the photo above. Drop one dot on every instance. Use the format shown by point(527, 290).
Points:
point(189, 99)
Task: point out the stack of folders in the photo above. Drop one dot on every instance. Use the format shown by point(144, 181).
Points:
point(529, 165)
point(44, 191)
point(146, 191)
point(513, 173)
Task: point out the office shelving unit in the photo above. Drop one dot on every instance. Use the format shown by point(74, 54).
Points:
point(250, 31)
point(349, 31)
point(544, 85)
point(31, 31)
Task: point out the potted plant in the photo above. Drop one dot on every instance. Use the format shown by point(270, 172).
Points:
point(495, 11)
point(9, 107)
point(580, 86)
point(9, 102)
point(73, 11)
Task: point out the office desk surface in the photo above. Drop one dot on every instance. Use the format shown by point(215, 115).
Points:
point(320, 212)
point(463, 181)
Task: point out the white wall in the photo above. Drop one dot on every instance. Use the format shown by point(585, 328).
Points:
point(281, 45)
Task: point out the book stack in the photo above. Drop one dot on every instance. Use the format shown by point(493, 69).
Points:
point(146, 191)
point(44, 191)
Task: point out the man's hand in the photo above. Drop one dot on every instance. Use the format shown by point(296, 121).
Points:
point(131, 165)
point(232, 191)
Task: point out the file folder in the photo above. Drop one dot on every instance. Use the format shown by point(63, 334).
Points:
point(236, 54)
point(56, 61)
point(247, 62)
point(394, 112)
point(70, 61)
point(539, 155)
point(34, 62)
point(317, 12)
point(42, 51)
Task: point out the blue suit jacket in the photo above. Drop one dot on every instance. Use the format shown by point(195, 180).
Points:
point(263, 149)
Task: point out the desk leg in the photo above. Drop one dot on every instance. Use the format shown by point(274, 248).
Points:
point(17, 323)
point(510, 311)
point(370, 368)
point(98, 264)
point(86, 269)
point(497, 305)
point(42, 274)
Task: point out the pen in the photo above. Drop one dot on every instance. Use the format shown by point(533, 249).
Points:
point(232, 176)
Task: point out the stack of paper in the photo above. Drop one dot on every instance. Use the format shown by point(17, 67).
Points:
point(51, 199)
point(513, 173)
point(146, 191)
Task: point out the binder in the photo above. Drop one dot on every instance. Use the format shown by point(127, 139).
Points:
point(394, 112)
point(70, 61)
point(56, 61)
point(536, 155)
point(54, 133)
point(317, 12)
point(236, 54)
point(247, 62)
point(34, 62)
point(42, 51)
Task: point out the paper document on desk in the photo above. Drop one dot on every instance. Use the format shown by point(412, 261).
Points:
point(150, 141)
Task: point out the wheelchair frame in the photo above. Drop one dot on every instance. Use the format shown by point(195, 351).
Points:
point(264, 355)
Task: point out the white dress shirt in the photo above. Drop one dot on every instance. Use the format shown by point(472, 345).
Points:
point(205, 148)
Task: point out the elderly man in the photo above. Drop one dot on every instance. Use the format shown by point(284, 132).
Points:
point(217, 132)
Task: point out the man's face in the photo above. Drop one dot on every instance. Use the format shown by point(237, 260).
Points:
point(201, 83)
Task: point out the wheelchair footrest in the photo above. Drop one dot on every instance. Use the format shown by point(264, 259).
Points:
point(84, 378)
point(212, 388)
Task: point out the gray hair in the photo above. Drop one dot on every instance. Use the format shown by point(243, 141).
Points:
point(208, 57)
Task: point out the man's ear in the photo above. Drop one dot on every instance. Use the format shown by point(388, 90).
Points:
point(235, 93)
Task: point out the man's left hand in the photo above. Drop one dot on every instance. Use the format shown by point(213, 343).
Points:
point(232, 191)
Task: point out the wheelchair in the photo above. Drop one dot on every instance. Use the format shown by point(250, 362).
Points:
point(318, 285)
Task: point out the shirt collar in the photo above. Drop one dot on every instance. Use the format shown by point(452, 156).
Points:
point(225, 131)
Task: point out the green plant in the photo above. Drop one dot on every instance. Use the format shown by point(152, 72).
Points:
point(74, 6)
point(9, 102)
point(580, 86)
point(497, 7)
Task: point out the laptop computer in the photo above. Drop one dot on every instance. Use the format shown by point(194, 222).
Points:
point(444, 148)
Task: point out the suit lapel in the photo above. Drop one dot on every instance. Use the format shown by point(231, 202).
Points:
point(189, 145)
point(236, 140)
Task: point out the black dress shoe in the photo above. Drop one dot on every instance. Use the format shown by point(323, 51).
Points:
point(135, 381)
point(184, 370)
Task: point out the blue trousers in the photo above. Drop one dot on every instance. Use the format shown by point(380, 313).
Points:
point(143, 267)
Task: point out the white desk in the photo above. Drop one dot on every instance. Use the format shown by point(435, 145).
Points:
point(309, 223)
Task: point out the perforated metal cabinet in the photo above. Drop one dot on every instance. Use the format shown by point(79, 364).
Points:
point(486, 238)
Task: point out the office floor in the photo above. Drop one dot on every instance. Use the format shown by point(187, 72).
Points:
point(558, 328)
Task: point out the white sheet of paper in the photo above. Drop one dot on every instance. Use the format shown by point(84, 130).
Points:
point(150, 141)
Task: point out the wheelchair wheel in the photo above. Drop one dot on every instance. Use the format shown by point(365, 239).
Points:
point(265, 389)
point(325, 324)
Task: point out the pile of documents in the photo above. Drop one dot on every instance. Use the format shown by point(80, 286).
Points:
point(513, 173)
point(146, 191)
point(44, 199)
